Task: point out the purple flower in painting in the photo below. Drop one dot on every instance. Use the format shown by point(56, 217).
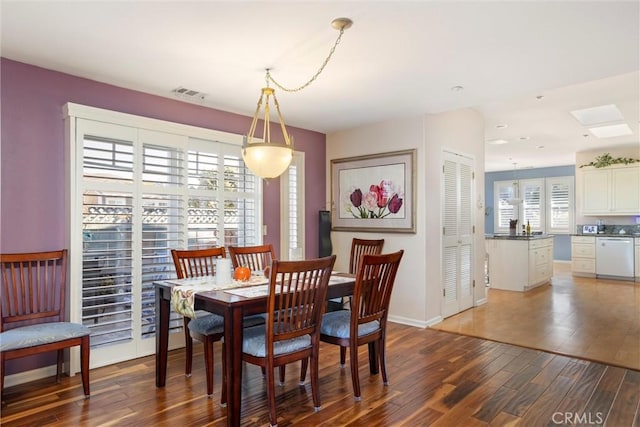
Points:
point(395, 204)
point(356, 198)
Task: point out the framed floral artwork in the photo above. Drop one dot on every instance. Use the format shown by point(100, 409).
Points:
point(374, 193)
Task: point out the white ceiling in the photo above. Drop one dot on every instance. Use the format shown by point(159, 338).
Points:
point(399, 59)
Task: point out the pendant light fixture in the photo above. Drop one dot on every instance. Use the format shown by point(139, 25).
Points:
point(263, 157)
point(515, 200)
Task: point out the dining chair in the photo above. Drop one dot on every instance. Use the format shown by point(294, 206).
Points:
point(206, 327)
point(257, 258)
point(366, 321)
point(33, 311)
point(296, 301)
point(360, 247)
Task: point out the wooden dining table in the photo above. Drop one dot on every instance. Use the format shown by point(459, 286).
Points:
point(233, 308)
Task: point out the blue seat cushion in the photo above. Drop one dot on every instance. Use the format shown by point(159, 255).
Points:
point(338, 324)
point(209, 324)
point(254, 343)
point(39, 334)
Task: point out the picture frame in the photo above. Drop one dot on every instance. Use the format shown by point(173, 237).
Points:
point(374, 193)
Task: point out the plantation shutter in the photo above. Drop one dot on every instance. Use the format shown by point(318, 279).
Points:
point(450, 221)
point(533, 203)
point(504, 191)
point(560, 200)
point(107, 238)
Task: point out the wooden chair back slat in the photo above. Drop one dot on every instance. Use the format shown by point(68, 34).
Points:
point(196, 262)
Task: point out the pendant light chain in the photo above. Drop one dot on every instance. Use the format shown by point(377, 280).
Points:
point(315, 76)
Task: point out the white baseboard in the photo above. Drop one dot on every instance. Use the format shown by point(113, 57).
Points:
point(481, 301)
point(413, 322)
point(28, 376)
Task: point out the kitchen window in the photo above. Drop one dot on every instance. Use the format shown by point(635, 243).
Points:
point(546, 203)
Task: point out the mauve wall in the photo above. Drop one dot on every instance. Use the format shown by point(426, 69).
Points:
point(32, 152)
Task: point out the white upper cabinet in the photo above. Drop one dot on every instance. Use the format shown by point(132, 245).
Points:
point(613, 190)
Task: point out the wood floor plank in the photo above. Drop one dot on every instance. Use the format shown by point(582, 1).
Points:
point(544, 407)
point(605, 392)
point(625, 408)
point(581, 390)
point(524, 398)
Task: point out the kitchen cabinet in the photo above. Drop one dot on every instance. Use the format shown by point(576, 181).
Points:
point(519, 263)
point(637, 263)
point(613, 190)
point(583, 256)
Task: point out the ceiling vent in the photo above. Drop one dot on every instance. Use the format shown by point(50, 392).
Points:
point(188, 94)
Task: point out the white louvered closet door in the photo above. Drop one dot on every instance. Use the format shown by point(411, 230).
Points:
point(457, 230)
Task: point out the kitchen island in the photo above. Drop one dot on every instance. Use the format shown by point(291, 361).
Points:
point(519, 262)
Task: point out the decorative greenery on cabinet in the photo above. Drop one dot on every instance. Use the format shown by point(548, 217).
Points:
point(606, 160)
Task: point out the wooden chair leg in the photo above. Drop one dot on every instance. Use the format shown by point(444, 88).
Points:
point(281, 369)
point(383, 361)
point(373, 357)
point(223, 398)
point(85, 349)
point(271, 396)
point(355, 380)
point(303, 370)
point(1, 375)
point(343, 356)
point(60, 358)
point(315, 388)
point(188, 345)
point(208, 363)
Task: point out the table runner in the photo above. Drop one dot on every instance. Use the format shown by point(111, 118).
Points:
point(184, 291)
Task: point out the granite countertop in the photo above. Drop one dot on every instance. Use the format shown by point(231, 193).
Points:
point(608, 235)
point(517, 236)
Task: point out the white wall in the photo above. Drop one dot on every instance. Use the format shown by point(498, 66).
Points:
point(418, 291)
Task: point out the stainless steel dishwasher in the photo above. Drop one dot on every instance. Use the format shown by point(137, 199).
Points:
point(614, 256)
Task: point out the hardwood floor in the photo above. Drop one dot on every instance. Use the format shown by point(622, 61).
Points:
point(436, 379)
point(582, 317)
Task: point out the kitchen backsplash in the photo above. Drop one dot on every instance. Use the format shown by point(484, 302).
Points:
point(632, 229)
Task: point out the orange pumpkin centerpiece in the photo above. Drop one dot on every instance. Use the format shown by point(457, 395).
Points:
point(242, 273)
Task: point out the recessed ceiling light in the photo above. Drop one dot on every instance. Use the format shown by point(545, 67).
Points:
point(524, 138)
point(497, 141)
point(594, 115)
point(457, 88)
point(611, 131)
point(540, 147)
point(539, 97)
point(501, 126)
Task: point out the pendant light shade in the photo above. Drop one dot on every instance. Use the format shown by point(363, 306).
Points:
point(267, 160)
point(264, 158)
